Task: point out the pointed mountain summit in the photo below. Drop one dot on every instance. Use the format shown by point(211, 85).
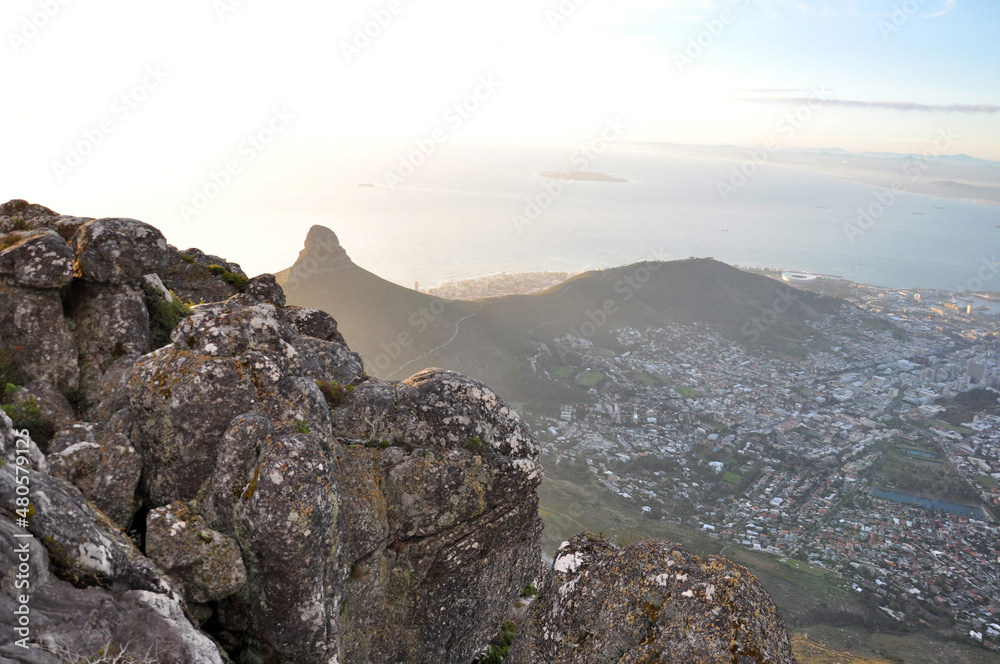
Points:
point(320, 254)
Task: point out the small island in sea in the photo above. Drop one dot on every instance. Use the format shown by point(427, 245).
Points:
point(586, 176)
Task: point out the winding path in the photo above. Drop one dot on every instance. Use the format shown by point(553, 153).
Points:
point(433, 350)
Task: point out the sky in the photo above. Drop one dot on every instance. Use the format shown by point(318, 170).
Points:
point(113, 104)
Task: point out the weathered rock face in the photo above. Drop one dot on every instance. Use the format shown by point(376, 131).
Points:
point(438, 542)
point(115, 251)
point(103, 465)
point(265, 288)
point(21, 215)
point(73, 302)
point(230, 416)
point(286, 523)
point(37, 259)
point(313, 323)
point(205, 564)
point(32, 323)
point(75, 624)
point(191, 281)
point(110, 321)
point(650, 602)
point(226, 359)
point(442, 528)
point(439, 408)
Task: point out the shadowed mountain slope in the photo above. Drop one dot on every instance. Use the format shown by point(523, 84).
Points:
point(400, 331)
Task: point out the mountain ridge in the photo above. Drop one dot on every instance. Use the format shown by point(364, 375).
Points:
point(394, 327)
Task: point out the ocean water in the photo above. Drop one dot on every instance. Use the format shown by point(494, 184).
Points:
point(466, 213)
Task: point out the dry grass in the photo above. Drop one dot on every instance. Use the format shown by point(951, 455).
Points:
point(110, 653)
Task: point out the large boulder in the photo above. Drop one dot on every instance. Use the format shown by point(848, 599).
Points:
point(71, 624)
point(205, 564)
point(115, 251)
point(20, 215)
point(193, 282)
point(226, 359)
point(329, 360)
point(51, 403)
point(313, 323)
point(438, 483)
point(18, 442)
point(286, 523)
point(104, 466)
point(650, 602)
point(34, 329)
point(439, 543)
point(438, 408)
point(36, 259)
point(84, 545)
point(110, 321)
point(265, 288)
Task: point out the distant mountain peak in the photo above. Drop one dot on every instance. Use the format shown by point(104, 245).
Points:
point(322, 236)
point(320, 254)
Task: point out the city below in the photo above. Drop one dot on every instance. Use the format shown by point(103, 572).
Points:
point(860, 450)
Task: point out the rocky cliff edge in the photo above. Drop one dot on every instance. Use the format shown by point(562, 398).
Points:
point(211, 476)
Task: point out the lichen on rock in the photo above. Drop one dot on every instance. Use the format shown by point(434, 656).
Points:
point(650, 602)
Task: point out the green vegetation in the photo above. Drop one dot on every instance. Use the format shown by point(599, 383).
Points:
point(26, 414)
point(687, 392)
point(301, 426)
point(589, 379)
point(9, 373)
point(498, 651)
point(821, 345)
point(966, 405)
point(731, 477)
point(876, 324)
point(334, 393)
point(164, 317)
point(821, 644)
point(988, 482)
point(563, 372)
point(899, 468)
point(950, 427)
point(237, 281)
point(118, 350)
point(645, 379)
point(188, 259)
point(8, 241)
point(605, 352)
point(252, 486)
point(475, 445)
point(380, 444)
point(530, 590)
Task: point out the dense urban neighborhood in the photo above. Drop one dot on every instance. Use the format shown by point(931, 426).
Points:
point(870, 448)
